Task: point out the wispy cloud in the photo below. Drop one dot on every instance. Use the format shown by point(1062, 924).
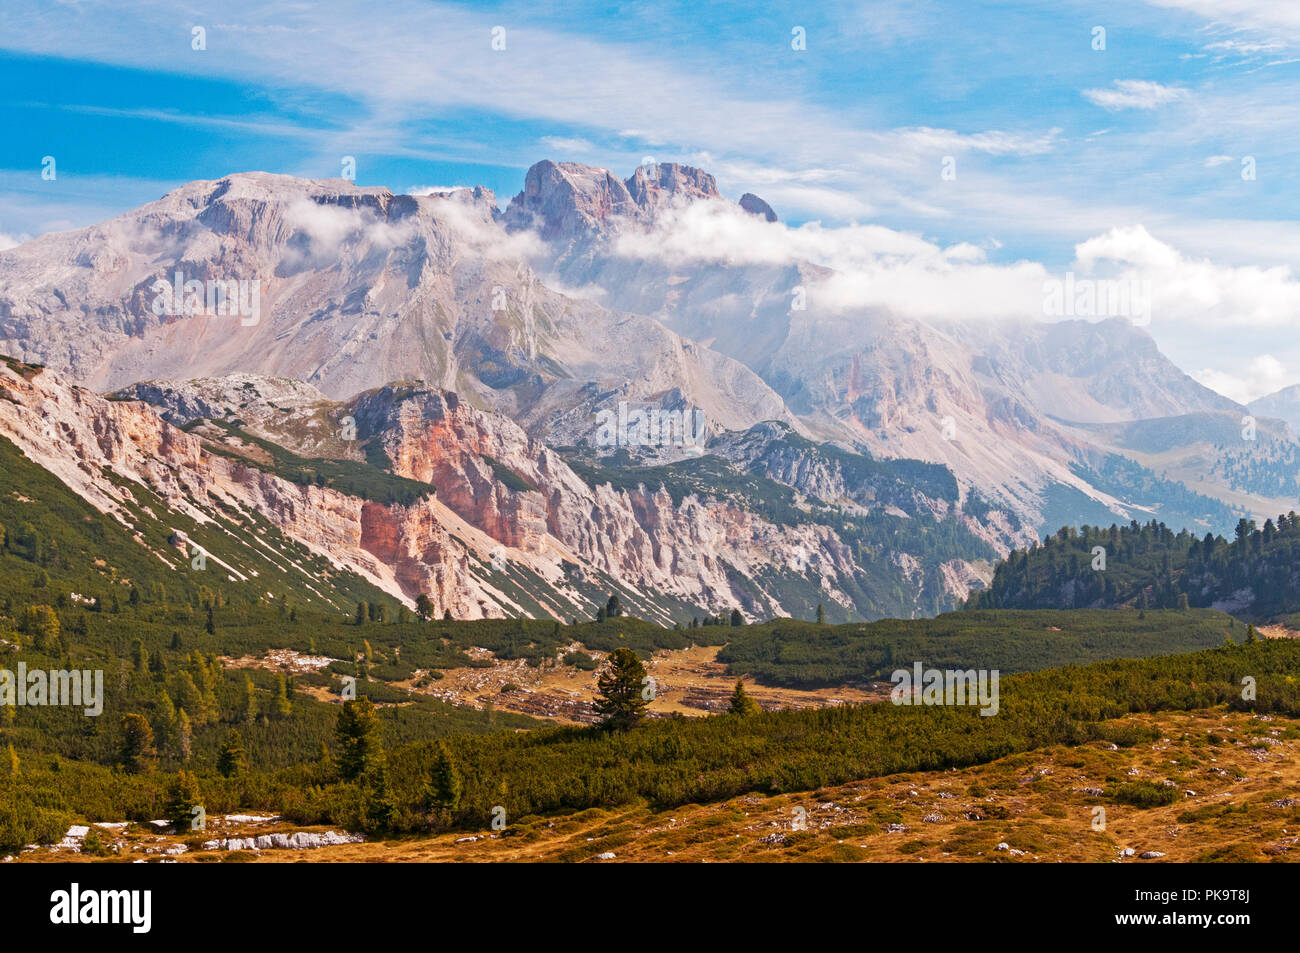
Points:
point(1257, 378)
point(1134, 94)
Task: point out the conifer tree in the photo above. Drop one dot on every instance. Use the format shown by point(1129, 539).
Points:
point(250, 701)
point(620, 685)
point(183, 796)
point(137, 752)
point(357, 731)
point(232, 761)
point(380, 804)
point(443, 790)
point(283, 704)
point(741, 703)
point(325, 762)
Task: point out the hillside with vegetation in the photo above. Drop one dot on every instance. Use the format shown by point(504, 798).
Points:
point(194, 713)
point(1256, 574)
point(804, 654)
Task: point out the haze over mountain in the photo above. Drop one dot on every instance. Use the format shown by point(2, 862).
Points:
point(1283, 404)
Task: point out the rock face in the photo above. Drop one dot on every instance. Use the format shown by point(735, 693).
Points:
point(356, 287)
point(513, 528)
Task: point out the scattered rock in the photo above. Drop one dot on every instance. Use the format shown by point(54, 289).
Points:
point(298, 840)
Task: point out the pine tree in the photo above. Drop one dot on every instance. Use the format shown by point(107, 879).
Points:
point(620, 685)
point(42, 624)
point(283, 704)
point(442, 793)
point(14, 764)
point(1251, 634)
point(741, 703)
point(325, 762)
point(139, 656)
point(821, 614)
point(424, 607)
point(357, 731)
point(363, 613)
point(188, 696)
point(137, 751)
point(165, 721)
point(380, 804)
point(232, 761)
point(183, 796)
point(210, 627)
point(737, 618)
point(250, 701)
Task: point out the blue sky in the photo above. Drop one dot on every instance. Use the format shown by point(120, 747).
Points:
point(1054, 143)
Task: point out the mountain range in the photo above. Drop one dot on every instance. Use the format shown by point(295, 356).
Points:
point(413, 388)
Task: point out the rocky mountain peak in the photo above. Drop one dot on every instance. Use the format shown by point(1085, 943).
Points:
point(568, 200)
point(654, 185)
point(752, 204)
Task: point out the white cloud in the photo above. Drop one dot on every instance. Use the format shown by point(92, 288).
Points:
point(559, 81)
point(870, 266)
point(1213, 161)
point(1134, 94)
point(8, 241)
point(1195, 291)
point(565, 146)
point(1263, 375)
point(874, 266)
point(1265, 15)
point(437, 189)
point(1246, 47)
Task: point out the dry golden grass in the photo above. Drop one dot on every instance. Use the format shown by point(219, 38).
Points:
point(687, 681)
